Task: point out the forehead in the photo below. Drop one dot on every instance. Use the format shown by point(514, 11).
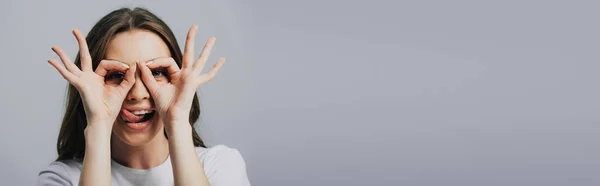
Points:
point(136, 45)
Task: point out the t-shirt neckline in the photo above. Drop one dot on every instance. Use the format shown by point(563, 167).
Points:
point(140, 171)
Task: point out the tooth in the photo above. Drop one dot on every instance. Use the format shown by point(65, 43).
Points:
point(138, 112)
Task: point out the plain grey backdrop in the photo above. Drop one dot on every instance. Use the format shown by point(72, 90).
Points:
point(336, 92)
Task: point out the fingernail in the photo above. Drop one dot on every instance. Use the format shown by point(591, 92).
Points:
point(125, 65)
point(149, 62)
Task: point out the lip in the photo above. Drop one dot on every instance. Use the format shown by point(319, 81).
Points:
point(137, 127)
point(140, 107)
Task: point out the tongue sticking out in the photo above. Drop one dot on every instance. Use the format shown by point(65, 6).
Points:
point(130, 117)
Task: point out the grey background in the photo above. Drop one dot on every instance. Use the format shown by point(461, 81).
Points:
point(350, 92)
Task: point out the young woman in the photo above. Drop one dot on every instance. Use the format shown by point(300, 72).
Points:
point(131, 107)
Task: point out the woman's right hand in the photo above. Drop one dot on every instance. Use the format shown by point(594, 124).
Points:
point(101, 101)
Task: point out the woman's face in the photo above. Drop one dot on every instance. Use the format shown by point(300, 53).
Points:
point(137, 123)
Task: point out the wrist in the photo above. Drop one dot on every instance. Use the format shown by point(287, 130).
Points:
point(176, 119)
point(178, 128)
point(100, 121)
point(97, 133)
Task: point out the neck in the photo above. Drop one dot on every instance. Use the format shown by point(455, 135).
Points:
point(145, 156)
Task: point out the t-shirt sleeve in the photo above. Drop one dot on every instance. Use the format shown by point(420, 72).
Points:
point(55, 174)
point(225, 166)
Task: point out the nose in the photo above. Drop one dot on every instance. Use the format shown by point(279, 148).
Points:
point(138, 92)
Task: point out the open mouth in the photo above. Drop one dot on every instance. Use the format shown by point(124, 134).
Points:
point(137, 119)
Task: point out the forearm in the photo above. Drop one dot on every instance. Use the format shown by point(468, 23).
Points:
point(187, 168)
point(96, 162)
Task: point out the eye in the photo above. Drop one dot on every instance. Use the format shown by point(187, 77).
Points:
point(161, 75)
point(115, 75)
point(114, 78)
point(159, 72)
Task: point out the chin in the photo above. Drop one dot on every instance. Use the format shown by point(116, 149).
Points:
point(140, 133)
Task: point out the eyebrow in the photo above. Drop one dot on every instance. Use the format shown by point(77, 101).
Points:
point(145, 61)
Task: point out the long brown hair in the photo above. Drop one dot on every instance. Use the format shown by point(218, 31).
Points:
point(71, 140)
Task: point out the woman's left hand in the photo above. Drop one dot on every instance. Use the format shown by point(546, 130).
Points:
point(173, 100)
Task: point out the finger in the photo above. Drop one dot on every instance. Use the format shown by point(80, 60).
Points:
point(147, 76)
point(165, 62)
point(66, 60)
point(70, 77)
point(84, 53)
point(129, 80)
point(188, 51)
point(106, 66)
point(210, 75)
point(201, 61)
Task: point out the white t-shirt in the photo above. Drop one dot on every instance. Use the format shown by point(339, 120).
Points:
point(223, 166)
